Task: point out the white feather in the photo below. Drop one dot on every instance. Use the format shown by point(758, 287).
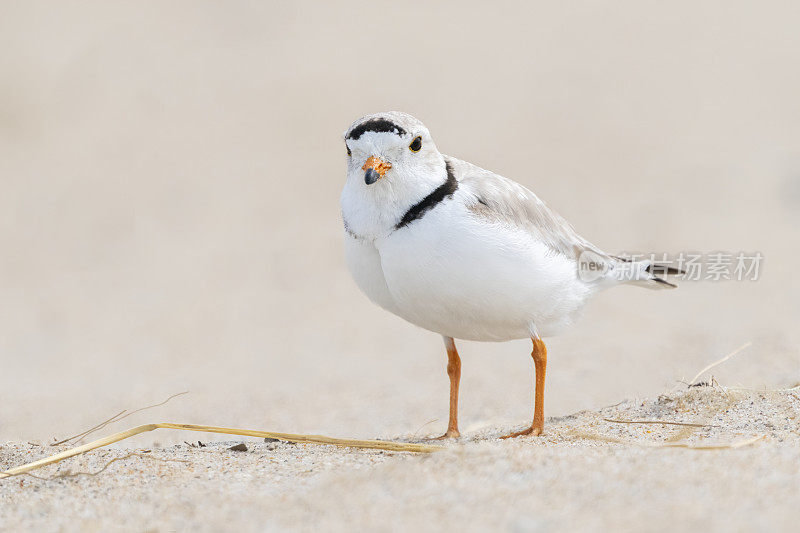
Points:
point(490, 262)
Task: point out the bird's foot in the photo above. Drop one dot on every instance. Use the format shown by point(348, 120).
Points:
point(449, 434)
point(535, 431)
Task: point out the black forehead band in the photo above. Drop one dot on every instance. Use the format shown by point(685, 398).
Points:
point(378, 125)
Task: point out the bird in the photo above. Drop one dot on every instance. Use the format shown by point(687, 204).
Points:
point(466, 253)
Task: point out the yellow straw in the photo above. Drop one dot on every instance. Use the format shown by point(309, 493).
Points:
point(291, 437)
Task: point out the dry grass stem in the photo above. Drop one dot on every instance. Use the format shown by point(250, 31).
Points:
point(301, 439)
point(746, 389)
point(667, 423)
point(116, 418)
point(719, 362)
point(105, 467)
point(101, 425)
point(727, 446)
point(429, 422)
point(681, 434)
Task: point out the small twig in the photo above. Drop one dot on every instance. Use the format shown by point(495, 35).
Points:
point(665, 422)
point(155, 404)
point(105, 467)
point(425, 424)
point(133, 454)
point(745, 389)
point(116, 418)
point(715, 363)
point(101, 425)
point(700, 447)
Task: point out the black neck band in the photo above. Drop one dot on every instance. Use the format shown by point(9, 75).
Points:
point(418, 210)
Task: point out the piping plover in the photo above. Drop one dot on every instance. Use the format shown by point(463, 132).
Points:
point(463, 252)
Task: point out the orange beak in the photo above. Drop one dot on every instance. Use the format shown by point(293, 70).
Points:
point(374, 169)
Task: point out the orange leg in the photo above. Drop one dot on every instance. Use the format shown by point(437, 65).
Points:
point(539, 355)
point(454, 372)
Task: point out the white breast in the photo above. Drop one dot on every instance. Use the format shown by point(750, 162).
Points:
point(364, 263)
point(456, 274)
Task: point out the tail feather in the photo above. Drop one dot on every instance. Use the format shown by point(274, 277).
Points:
point(648, 273)
point(664, 270)
point(665, 284)
point(660, 269)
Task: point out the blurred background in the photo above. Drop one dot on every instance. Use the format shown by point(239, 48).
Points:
point(169, 216)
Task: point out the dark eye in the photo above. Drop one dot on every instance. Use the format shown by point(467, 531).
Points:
point(349, 153)
point(416, 144)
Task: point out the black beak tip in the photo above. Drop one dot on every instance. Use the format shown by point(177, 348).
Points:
point(371, 176)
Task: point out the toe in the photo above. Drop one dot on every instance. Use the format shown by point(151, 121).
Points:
point(449, 434)
point(535, 431)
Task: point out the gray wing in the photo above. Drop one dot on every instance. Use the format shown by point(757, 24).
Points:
point(499, 199)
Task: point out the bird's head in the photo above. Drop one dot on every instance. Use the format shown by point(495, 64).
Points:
point(392, 163)
point(392, 150)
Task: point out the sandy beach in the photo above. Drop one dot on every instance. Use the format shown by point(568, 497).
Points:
point(739, 459)
point(169, 222)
